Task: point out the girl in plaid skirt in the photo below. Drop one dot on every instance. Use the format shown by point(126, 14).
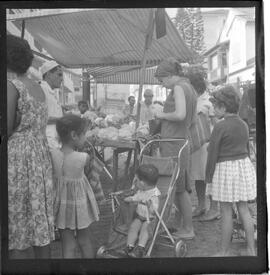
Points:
point(75, 205)
point(230, 174)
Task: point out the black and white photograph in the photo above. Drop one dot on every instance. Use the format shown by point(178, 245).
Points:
point(134, 135)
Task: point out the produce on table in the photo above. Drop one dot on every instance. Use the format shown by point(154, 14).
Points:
point(114, 128)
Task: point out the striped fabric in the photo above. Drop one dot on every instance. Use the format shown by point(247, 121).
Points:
point(233, 181)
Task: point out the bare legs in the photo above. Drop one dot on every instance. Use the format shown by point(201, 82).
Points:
point(68, 241)
point(226, 227)
point(140, 228)
point(212, 213)
point(200, 187)
point(246, 219)
point(85, 243)
point(227, 224)
point(183, 203)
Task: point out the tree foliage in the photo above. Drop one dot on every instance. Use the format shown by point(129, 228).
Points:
point(189, 23)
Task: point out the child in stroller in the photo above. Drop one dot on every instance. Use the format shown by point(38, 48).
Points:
point(147, 198)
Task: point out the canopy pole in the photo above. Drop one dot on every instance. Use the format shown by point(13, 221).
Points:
point(86, 86)
point(148, 40)
point(23, 29)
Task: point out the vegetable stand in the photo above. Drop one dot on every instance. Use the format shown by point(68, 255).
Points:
point(120, 146)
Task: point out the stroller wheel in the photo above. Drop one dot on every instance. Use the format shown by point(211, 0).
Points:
point(101, 251)
point(180, 249)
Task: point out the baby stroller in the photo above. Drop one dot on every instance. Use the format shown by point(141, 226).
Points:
point(169, 169)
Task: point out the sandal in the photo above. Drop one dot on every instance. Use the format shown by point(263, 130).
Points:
point(210, 217)
point(198, 212)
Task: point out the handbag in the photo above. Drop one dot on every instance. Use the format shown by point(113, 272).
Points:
point(199, 132)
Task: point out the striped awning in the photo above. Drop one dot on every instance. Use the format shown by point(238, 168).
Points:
point(105, 38)
point(129, 77)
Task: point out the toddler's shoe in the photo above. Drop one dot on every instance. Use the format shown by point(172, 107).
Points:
point(138, 252)
point(128, 250)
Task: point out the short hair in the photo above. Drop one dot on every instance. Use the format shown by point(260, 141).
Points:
point(226, 96)
point(148, 173)
point(68, 123)
point(19, 54)
point(82, 102)
point(148, 91)
point(131, 97)
point(198, 82)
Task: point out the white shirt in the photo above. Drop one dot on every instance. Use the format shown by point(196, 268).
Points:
point(148, 112)
point(143, 196)
point(54, 110)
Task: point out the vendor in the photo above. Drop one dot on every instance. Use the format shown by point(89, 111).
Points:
point(148, 109)
point(85, 112)
point(130, 109)
point(52, 76)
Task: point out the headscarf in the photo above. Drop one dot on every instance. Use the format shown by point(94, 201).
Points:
point(169, 66)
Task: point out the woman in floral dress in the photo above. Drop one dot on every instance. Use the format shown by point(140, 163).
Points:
point(30, 200)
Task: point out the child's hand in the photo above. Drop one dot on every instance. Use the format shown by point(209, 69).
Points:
point(128, 199)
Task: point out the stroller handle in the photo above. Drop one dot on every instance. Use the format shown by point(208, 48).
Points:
point(166, 140)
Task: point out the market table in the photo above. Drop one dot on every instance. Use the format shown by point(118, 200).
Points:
point(120, 146)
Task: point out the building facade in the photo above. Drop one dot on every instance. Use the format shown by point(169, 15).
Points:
point(232, 58)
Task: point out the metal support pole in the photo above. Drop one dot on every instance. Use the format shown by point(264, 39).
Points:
point(23, 29)
point(148, 40)
point(86, 86)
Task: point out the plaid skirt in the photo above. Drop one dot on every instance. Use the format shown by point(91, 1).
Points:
point(75, 205)
point(233, 181)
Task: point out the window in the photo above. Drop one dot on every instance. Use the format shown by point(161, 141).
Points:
point(224, 59)
point(213, 62)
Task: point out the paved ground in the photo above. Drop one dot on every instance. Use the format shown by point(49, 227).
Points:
point(205, 244)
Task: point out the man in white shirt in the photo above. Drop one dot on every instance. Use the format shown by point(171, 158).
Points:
point(148, 109)
point(52, 75)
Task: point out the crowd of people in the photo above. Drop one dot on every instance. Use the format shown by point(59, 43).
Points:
point(47, 186)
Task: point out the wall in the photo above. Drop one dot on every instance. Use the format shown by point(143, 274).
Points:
point(248, 74)
point(237, 52)
point(250, 40)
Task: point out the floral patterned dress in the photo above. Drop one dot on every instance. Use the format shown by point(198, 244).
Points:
point(30, 187)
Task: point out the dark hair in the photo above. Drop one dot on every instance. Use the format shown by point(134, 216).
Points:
point(169, 66)
point(198, 82)
point(53, 70)
point(19, 54)
point(131, 97)
point(82, 102)
point(148, 173)
point(226, 96)
point(68, 123)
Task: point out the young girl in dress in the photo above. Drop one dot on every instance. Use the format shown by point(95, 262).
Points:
point(230, 174)
point(75, 204)
point(147, 199)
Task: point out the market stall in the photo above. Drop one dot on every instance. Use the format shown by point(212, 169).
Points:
point(107, 42)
